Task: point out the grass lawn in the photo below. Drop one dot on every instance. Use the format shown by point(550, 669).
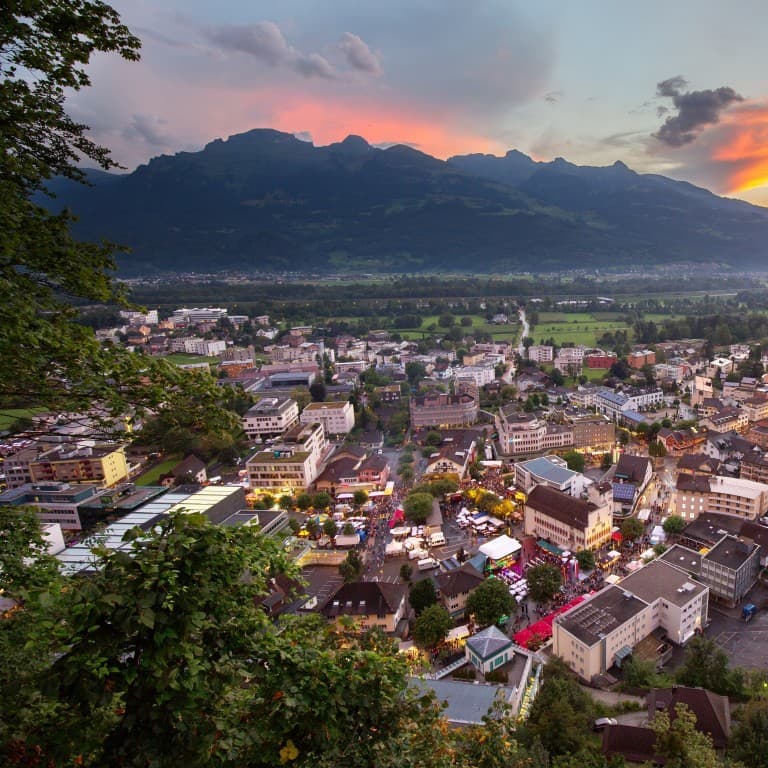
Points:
point(582, 332)
point(152, 476)
point(11, 415)
point(182, 358)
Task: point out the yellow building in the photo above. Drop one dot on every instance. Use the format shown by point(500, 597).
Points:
point(101, 465)
point(570, 523)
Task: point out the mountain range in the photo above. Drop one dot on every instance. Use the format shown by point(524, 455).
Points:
point(265, 201)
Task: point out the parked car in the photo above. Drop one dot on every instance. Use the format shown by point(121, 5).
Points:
point(604, 722)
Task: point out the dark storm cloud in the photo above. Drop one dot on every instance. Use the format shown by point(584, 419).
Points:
point(265, 41)
point(695, 110)
point(358, 55)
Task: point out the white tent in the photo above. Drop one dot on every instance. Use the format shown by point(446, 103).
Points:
point(500, 547)
point(658, 535)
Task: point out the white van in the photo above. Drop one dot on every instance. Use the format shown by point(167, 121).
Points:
point(427, 564)
point(436, 539)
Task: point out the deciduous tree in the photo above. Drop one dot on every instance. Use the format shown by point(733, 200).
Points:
point(432, 626)
point(490, 601)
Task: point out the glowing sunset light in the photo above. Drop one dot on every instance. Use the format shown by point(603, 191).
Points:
point(746, 150)
point(379, 124)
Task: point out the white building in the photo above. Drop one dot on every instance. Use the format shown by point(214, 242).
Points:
point(139, 318)
point(186, 316)
point(336, 418)
point(206, 347)
point(479, 374)
point(271, 416)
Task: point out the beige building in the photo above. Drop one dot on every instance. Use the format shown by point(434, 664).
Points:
point(336, 418)
point(696, 494)
point(454, 587)
point(369, 604)
point(755, 409)
point(594, 432)
point(442, 410)
point(291, 465)
point(593, 635)
point(570, 523)
point(101, 465)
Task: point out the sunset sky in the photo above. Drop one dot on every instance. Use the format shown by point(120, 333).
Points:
point(678, 88)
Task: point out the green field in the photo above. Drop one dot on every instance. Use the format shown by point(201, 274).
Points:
point(11, 415)
point(577, 328)
point(182, 358)
point(152, 476)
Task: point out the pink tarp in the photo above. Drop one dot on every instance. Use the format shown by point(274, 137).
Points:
point(543, 627)
point(396, 518)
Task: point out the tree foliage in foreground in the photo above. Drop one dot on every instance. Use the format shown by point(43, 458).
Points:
point(49, 359)
point(163, 658)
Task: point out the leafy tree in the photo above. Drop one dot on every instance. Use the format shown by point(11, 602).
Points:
point(487, 501)
point(575, 461)
point(294, 525)
point(49, 358)
point(330, 528)
point(544, 581)
point(632, 529)
point(348, 529)
point(586, 559)
point(351, 568)
point(406, 572)
point(269, 500)
point(560, 716)
point(640, 673)
point(25, 565)
point(286, 502)
point(674, 524)
point(422, 595)
point(415, 371)
point(680, 743)
point(359, 498)
point(607, 461)
point(313, 527)
point(490, 601)
point(557, 378)
point(705, 665)
point(303, 501)
point(317, 391)
point(657, 449)
point(749, 740)
point(433, 438)
point(301, 396)
point(432, 626)
point(418, 507)
point(321, 500)
point(406, 474)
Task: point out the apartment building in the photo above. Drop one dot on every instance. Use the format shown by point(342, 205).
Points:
point(731, 568)
point(523, 433)
point(270, 417)
point(593, 432)
point(444, 410)
point(614, 403)
point(454, 587)
point(337, 418)
point(570, 523)
point(640, 358)
point(139, 318)
point(754, 466)
point(453, 457)
point(727, 420)
point(207, 347)
point(755, 409)
point(697, 494)
point(291, 465)
point(479, 375)
point(541, 353)
point(101, 465)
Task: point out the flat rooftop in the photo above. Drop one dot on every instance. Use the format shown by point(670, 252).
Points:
point(591, 621)
point(683, 558)
point(658, 579)
point(548, 470)
point(730, 552)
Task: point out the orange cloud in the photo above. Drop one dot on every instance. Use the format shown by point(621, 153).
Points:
point(745, 149)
